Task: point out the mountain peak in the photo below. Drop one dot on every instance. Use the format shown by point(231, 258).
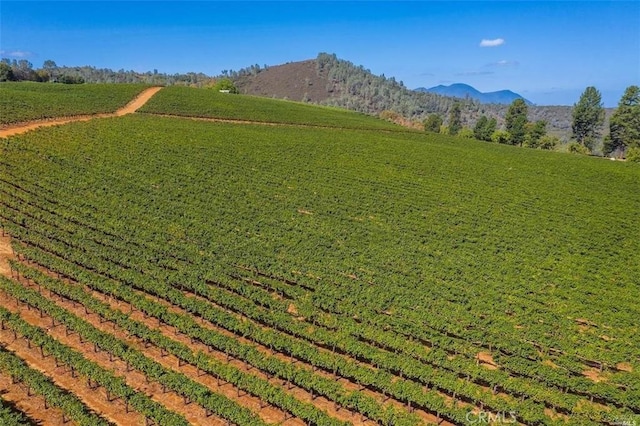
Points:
point(461, 90)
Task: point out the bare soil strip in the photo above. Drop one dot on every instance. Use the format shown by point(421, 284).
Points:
point(131, 107)
point(31, 405)
point(269, 414)
point(6, 253)
point(96, 399)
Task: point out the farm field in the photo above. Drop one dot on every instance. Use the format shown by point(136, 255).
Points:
point(25, 101)
point(191, 102)
point(191, 272)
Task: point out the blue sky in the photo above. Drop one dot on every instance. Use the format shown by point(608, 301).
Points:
point(547, 51)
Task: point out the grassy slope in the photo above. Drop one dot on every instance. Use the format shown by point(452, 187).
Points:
point(208, 103)
point(501, 245)
point(26, 101)
point(498, 228)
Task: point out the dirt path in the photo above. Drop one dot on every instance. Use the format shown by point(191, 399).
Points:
point(6, 253)
point(265, 123)
point(130, 108)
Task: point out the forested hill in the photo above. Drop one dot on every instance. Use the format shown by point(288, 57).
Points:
point(324, 80)
point(329, 80)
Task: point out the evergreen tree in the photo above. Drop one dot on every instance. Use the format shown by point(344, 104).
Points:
point(535, 132)
point(455, 119)
point(484, 128)
point(624, 128)
point(516, 122)
point(588, 117)
point(6, 73)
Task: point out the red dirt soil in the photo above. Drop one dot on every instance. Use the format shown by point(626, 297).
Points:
point(271, 413)
point(96, 399)
point(61, 376)
point(31, 405)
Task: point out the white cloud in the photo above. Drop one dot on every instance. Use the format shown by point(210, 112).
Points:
point(504, 63)
point(491, 43)
point(473, 73)
point(16, 53)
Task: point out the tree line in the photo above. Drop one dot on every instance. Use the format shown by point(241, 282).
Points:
point(356, 88)
point(587, 126)
point(23, 70)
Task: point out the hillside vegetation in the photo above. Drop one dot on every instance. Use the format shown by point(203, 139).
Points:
point(322, 273)
point(25, 101)
point(208, 103)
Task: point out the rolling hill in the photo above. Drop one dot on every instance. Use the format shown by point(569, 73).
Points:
point(229, 259)
point(328, 80)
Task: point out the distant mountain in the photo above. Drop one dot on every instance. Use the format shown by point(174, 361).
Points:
point(460, 90)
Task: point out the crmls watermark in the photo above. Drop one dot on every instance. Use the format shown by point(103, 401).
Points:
point(486, 417)
point(624, 421)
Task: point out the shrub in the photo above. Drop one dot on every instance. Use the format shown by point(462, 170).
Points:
point(576, 148)
point(225, 84)
point(433, 123)
point(466, 133)
point(548, 142)
point(501, 136)
point(633, 154)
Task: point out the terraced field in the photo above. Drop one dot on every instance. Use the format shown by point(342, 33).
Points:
point(198, 272)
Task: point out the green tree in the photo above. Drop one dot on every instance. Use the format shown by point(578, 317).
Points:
point(433, 123)
point(516, 121)
point(50, 68)
point(455, 119)
point(484, 128)
point(6, 73)
point(535, 132)
point(225, 84)
point(588, 117)
point(624, 127)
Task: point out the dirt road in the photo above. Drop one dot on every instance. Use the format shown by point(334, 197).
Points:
point(130, 108)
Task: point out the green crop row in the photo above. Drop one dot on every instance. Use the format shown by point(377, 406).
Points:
point(26, 101)
point(169, 379)
point(12, 416)
point(207, 103)
point(115, 386)
point(71, 406)
point(456, 245)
